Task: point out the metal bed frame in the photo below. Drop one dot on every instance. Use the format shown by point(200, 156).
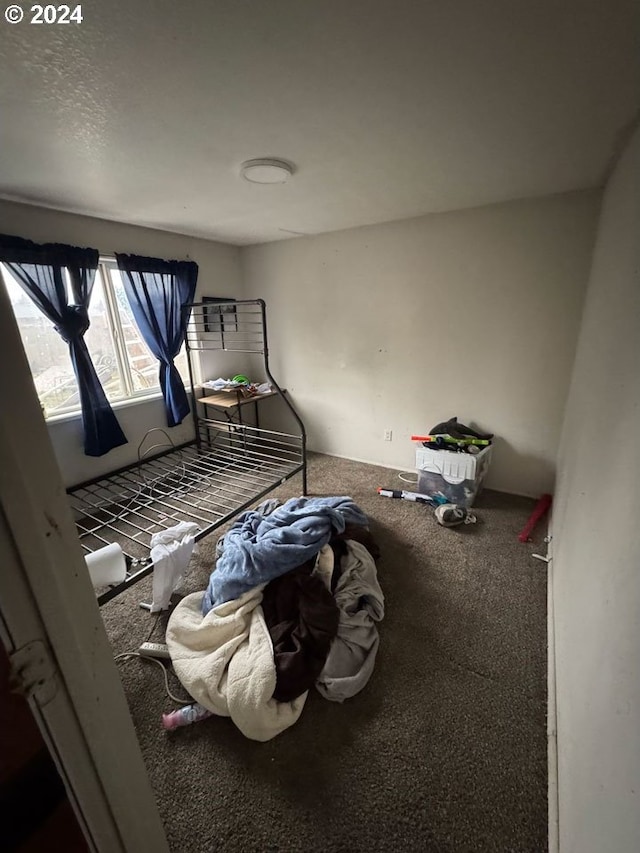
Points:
point(222, 471)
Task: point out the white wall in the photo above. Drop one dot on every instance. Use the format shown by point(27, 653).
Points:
point(472, 313)
point(219, 274)
point(596, 545)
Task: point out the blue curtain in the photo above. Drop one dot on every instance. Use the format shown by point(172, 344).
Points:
point(158, 292)
point(39, 270)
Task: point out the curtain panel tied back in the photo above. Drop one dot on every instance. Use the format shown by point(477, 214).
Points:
point(158, 292)
point(40, 271)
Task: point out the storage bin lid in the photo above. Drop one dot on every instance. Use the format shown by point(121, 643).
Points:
point(453, 467)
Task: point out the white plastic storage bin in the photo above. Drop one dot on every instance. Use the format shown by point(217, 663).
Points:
point(458, 476)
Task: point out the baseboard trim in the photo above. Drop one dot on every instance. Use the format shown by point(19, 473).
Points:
point(408, 470)
point(364, 461)
point(552, 718)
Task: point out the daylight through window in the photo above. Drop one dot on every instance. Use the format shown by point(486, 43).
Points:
point(125, 366)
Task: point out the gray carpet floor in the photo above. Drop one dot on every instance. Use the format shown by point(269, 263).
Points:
point(445, 750)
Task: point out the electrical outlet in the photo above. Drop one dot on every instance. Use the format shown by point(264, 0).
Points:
point(388, 435)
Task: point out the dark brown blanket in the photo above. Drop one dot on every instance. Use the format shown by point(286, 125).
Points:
point(302, 619)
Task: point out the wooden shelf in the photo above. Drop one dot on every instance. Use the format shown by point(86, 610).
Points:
point(231, 399)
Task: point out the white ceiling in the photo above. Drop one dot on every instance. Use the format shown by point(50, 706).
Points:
point(144, 112)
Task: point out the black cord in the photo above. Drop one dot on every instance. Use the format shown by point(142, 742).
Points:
point(154, 626)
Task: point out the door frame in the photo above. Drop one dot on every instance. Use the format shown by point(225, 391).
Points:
point(46, 595)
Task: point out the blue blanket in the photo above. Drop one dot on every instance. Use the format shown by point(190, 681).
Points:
point(260, 547)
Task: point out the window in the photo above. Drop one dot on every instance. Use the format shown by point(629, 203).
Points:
point(125, 365)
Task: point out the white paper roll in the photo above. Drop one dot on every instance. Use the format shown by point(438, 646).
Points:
point(107, 565)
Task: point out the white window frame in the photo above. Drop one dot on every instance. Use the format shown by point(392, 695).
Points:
point(107, 263)
point(117, 335)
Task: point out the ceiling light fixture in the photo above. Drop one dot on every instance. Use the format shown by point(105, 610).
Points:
point(266, 171)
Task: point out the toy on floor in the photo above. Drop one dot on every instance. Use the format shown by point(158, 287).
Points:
point(185, 716)
point(540, 510)
point(416, 497)
point(450, 515)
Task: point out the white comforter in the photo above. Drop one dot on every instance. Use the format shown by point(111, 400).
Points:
point(225, 661)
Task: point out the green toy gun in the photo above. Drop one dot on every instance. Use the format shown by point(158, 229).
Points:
point(449, 439)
